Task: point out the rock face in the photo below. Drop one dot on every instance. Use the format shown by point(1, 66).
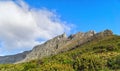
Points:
point(47, 49)
point(56, 45)
point(105, 33)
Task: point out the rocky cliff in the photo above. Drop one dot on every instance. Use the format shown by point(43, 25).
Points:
point(57, 45)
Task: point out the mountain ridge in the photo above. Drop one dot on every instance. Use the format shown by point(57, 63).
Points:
point(57, 45)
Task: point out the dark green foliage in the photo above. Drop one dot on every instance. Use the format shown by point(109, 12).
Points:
point(118, 44)
point(89, 62)
point(114, 63)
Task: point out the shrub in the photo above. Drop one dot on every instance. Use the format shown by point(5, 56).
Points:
point(56, 67)
point(114, 63)
point(105, 48)
point(111, 47)
point(89, 62)
point(118, 44)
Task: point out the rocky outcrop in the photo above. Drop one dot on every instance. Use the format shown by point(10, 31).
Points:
point(48, 48)
point(105, 33)
point(56, 45)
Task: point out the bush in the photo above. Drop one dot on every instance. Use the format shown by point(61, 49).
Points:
point(89, 62)
point(114, 63)
point(111, 47)
point(118, 44)
point(105, 48)
point(52, 66)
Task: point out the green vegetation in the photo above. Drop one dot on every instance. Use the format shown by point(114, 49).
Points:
point(97, 55)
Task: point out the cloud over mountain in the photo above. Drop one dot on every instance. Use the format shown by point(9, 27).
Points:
point(22, 27)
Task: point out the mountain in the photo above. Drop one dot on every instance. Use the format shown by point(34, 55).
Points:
point(54, 46)
point(88, 51)
point(13, 58)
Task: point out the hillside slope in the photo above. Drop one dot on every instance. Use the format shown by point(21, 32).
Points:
point(98, 54)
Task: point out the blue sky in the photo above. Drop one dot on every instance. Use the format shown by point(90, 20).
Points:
point(85, 14)
point(26, 23)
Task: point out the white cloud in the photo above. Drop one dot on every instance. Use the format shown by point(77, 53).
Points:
point(20, 26)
